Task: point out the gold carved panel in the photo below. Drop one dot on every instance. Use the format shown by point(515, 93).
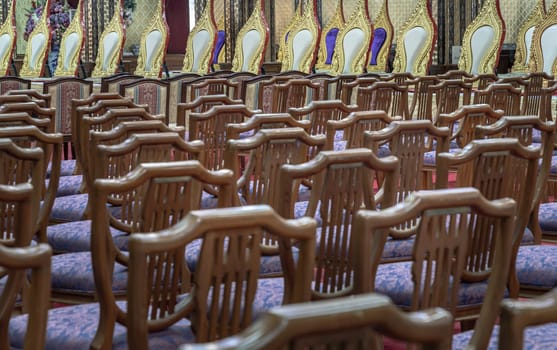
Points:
point(204, 60)
point(283, 39)
point(489, 16)
point(537, 62)
point(73, 32)
point(150, 64)
point(522, 54)
point(381, 58)
point(256, 22)
point(8, 30)
point(35, 56)
point(115, 28)
point(336, 23)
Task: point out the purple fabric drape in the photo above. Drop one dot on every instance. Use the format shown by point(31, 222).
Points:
point(221, 36)
point(330, 41)
point(379, 37)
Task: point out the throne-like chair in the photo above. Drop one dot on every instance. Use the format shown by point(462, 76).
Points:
point(111, 45)
point(71, 45)
point(544, 51)
point(483, 40)
point(300, 40)
point(7, 40)
point(152, 48)
point(353, 41)
point(201, 43)
point(525, 36)
point(37, 47)
point(328, 40)
point(416, 40)
point(382, 39)
point(251, 42)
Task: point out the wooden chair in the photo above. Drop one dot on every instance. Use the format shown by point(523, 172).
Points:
point(214, 86)
point(201, 43)
point(71, 45)
point(389, 97)
point(342, 184)
point(264, 121)
point(525, 36)
point(111, 44)
point(439, 273)
point(112, 83)
point(483, 40)
point(542, 55)
point(351, 322)
point(150, 92)
point(175, 92)
point(319, 112)
point(421, 107)
point(416, 41)
point(353, 42)
point(455, 74)
point(13, 83)
point(37, 46)
point(383, 33)
point(8, 36)
point(200, 105)
point(299, 48)
point(450, 95)
point(349, 89)
point(251, 42)
point(501, 97)
point(259, 91)
point(153, 43)
point(43, 99)
point(33, 110)
point(294, 93)
point(327, 42)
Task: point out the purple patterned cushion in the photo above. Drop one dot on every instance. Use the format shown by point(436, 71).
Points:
point(379, 37)
point(73, 272)
point(68, 185)
point(397, 249)
point(270, 292)
point(74, 327)
point(553, 169)
point(208, 201)
point(75, 236)
point(536, 266)
point(395, 281)
point(535, 338)
point(339, 145)
point(67, 168)
point(536, 136)
point(548, 217)
point(429, 157)
point(330, 41)
point(221, 38)
point(72, 208)
point(528, 237)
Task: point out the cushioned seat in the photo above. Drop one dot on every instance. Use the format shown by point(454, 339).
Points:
point(395, 281)
point(547, 217)
point(539, 337)
point(75, 236)
point(68, 185)
point(73, 273)
point(72, 208)
point(536, 266)
point(67, 167)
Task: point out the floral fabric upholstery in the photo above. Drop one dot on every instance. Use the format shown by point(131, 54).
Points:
point(542, 337)
point(547, 217)
point(67, 168)
point(397, 249)
point(73, 272)
point(395, 281)
point(72, 237)
point(74, 328)
point(72, 208)
point(536, 266)
point(429, 157)
point(68, 185)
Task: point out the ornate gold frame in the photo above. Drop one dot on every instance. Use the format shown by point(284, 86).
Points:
point(337, 21)
point(76, 26)
point(283, 41)
point(521, 60)
point(383, 20)
point(536, 55)
point(8, 27)
point(306, 21)
point(256, 22)
point(490, 15)
point(42, 27)
point(420, 17)
point(158, 24)
point(358, 19)
point(116, 25)
point(205, 22)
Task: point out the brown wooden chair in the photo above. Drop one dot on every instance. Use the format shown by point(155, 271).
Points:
point(349, 132)
point(34, 94)
point(319, 112)
point(295, 93)
point(482, 81)
point(421, 107)
point(200, 105)
point(500, 96)
point(175, 92)
point(342, 185)
point(13, 83)
point(151, 92)
point(450, 95)
point(455, 74)
point(389, 97)
point(20, 98)
point(112, 83)
point(351, 322)
point(259, 91)
point(349, 89)
point(23, 118)
point(445, 259)
point(264, 121)
point(215, 86)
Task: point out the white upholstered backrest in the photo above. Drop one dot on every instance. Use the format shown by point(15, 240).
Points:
point(300, 44)
point(71, 47)
point(480, 43)
point(250, 43)
point(414, 41)
point(110, 45)
point(38, 43)
point(528, 42)
point(153, 42)
point(549, 49)
point(200, 44)
point(5, 41)
point(351, 45)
